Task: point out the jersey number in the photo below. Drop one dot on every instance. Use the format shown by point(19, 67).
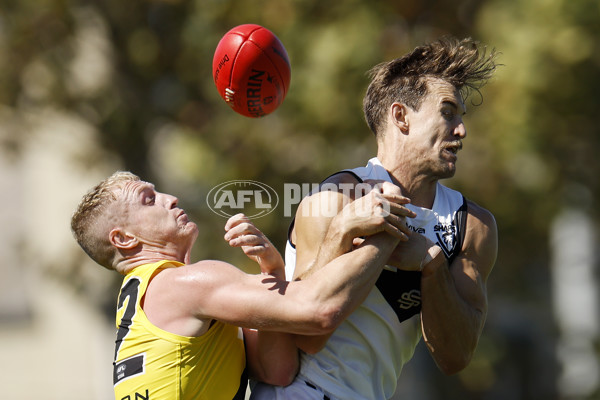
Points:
point(133, 365)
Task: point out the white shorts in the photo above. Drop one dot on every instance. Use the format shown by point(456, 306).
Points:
point(298, 390)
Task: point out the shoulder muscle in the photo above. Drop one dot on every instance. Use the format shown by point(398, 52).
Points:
point(481, 238)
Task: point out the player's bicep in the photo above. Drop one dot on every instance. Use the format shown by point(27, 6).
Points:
point(473, 266)
point(313, 217)
point(234, 297)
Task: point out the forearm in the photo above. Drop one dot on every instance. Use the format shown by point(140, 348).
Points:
point(336, 243)
point(345, 282)
point(451, 326)
point(272, 357)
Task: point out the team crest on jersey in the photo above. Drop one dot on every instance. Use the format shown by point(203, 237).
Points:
point(446, 235)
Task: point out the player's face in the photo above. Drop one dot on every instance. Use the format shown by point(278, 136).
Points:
point(437, 130)
point(154, 217)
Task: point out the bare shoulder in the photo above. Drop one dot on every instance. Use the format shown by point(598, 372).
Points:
point(315, 214)
point(481, 215)
point(332, 191)
point(200, 273)
point(316, 210)
point(481, 238)
point(192, 281)
point(179, 299)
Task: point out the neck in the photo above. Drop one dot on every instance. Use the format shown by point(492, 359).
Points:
point(127, 262)
point(418, 187)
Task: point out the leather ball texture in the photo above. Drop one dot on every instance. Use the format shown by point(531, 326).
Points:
point(251, 70)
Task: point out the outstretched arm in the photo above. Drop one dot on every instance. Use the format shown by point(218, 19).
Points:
point(318, 303)
point(195, 294)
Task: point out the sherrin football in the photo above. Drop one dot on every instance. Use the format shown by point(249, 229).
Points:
point(251, 70)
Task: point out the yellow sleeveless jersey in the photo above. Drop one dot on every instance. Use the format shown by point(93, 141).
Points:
point(152, 364)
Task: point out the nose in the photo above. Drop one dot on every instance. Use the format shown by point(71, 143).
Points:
point(460, 130)
point(170, 201)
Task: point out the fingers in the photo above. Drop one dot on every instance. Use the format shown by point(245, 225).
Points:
point(236, 220)
point(401, 211)
point(389, 207)
point(252, 243)
point(396, 226)
point(357, 241)
point(242, 232)
point(390, 188)
point(384, 204)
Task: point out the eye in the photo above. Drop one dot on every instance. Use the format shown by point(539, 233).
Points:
point(448, 113)
point(149, 200)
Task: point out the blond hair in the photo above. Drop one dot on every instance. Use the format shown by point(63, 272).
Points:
point(87, 222)
point(462, 63)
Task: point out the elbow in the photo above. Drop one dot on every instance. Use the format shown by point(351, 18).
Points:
point(327, 319)
point(283, 377)
point(453, 368)
point(312, 347)
point(455, 364)
point(452, 358)
point(319, 317)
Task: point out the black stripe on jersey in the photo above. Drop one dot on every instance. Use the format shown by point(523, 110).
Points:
point(461, 225)
point(402, 291)
point(129, 367)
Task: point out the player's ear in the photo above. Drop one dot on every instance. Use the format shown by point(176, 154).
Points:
point(122, 239)
point(398, 115)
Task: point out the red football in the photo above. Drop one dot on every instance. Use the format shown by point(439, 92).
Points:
point(251, 70)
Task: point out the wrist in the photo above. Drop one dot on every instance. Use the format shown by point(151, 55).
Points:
point(433, 260)
point(339, 234)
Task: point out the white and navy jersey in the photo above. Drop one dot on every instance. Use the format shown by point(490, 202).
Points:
point(365, 355)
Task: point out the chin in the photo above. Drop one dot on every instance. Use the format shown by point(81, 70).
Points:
point(446, 173)
point(194, 231)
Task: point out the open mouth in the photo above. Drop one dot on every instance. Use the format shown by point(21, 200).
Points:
point(453, 148)
point(182, 214)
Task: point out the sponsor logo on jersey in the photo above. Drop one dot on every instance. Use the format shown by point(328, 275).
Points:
point(416, 229)
point(409, 299)
point(128, 368)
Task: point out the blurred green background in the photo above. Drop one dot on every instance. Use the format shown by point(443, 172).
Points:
point(89, 87)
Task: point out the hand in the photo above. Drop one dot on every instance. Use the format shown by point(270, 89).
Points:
point(240, 232)
point(379, 209)
point(413, 254)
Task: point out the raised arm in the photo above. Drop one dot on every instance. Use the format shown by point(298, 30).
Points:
point(320, 302)
point(320, 238)
point(451, 332)
point(195, 294)
point(217, 290)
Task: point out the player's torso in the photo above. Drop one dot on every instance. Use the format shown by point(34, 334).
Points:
point(365, 355)
point(155, 364)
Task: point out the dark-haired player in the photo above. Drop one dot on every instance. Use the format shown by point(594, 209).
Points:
point(415, 106)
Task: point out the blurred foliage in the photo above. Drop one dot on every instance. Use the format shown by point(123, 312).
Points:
point(140, 73)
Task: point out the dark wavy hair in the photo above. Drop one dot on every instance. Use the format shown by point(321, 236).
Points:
point(462, 63)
